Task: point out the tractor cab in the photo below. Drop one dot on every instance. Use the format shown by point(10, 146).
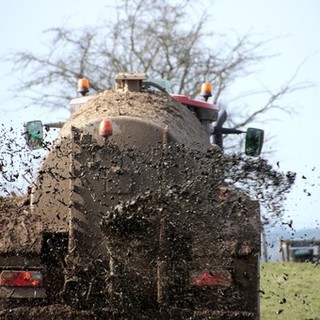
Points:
point(210, 116)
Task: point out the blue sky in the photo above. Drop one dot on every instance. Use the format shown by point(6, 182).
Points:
point(293, 24)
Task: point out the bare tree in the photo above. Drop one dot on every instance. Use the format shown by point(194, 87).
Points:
point(158, 42)
point(173, 40)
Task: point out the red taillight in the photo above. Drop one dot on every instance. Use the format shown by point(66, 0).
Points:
point(217, 278)
point(21, 279)
point(105, 128)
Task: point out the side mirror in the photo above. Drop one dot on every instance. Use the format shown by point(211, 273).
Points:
point(254, 142)
point(34, 134)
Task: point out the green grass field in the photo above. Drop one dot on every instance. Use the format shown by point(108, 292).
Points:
point(290, 291)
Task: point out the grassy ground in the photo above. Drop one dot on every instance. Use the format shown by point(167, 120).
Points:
point(290, 291)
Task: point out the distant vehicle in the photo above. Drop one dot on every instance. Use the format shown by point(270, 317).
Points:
point(306, 250)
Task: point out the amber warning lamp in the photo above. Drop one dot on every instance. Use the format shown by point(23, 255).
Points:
point(83, 86)
point(206, 90)
point(105, 128)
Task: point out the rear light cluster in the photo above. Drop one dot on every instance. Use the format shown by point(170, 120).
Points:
point(217, 278)
point(21, 279)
